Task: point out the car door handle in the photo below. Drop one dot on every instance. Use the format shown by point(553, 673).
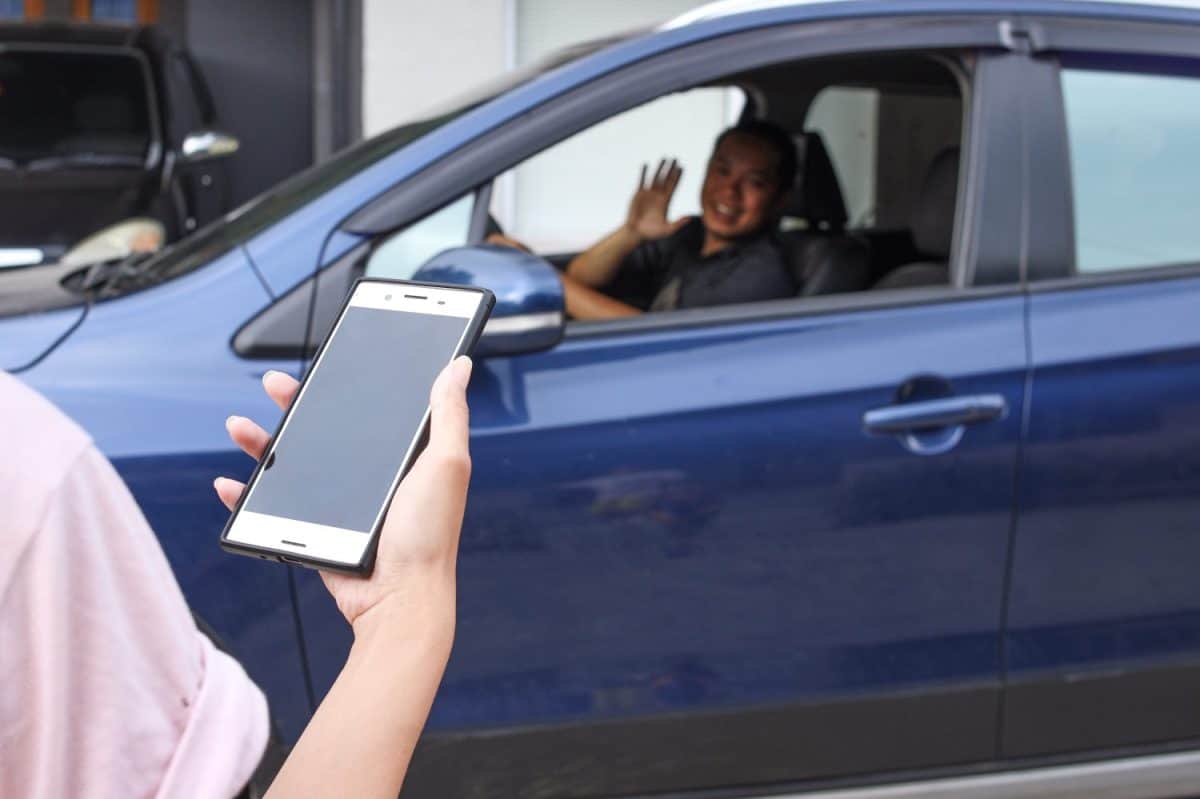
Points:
point(932, 414)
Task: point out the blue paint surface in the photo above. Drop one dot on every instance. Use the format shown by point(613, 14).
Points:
point(1105, 561)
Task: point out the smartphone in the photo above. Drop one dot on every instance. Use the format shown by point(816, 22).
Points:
point(359, 420)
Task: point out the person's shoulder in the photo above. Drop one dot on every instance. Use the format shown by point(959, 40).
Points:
point(691, 234)
point(38, 443)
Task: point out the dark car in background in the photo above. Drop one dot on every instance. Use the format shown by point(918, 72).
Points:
point(101, 124)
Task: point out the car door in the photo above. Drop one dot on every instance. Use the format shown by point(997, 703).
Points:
point(688, 563)
point(1103, 638)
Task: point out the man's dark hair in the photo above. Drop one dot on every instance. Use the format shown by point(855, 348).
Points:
point(777, 139)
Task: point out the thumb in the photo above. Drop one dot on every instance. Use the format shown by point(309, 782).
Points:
point(449, 422)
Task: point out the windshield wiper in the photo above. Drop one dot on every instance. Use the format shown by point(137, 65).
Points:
point(107, 279)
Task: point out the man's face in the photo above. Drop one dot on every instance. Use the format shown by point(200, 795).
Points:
point(740, 188)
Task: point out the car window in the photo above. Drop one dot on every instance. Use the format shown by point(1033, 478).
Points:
point(1135, 167)
point(401, 255)
point(570, 195)
point(284, 328)
point(73, 109)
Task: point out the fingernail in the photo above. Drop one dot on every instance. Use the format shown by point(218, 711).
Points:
point(460, 370)
point(217, 483)
point(267, 374)
point(229, 421)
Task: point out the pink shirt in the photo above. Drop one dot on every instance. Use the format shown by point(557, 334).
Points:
point(106, 686)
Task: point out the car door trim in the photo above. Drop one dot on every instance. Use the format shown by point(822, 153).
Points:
point(1061, 34)
point(695, 753)
point(1145, 777)
point(791, 308)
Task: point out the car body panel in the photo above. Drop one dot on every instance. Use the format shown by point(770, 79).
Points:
point(25, 339)
point(674, 522)
point(1103, 583)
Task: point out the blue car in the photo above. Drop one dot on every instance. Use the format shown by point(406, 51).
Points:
point(932, 522)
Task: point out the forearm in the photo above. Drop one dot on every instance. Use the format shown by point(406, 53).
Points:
point(584, 302)
point(360, 740)
point(598, 265)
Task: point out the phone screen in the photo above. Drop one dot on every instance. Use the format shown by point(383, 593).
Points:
point(337, 456)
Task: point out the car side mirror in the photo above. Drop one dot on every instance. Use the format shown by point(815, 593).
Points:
point(203, 145)
point(528, 316)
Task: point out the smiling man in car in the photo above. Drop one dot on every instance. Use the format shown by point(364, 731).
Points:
point(726, 255)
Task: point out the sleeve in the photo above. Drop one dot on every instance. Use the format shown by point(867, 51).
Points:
point(106, 686)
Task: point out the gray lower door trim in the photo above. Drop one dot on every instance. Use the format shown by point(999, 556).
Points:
point(1152, 777)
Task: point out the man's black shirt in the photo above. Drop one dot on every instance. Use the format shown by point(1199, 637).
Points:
point(668, 273)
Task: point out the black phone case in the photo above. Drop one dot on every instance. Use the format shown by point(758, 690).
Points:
point(363, 567)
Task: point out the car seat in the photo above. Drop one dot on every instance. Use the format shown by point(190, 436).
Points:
point(932, 227)
point(821, 257)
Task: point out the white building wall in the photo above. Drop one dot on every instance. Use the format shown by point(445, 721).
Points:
point(417, 54)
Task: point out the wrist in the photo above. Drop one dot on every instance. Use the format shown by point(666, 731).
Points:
point(422, 606)
point(630, 235)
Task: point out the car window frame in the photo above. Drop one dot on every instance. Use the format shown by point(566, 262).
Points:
point(315, 301)
point(581, 107)
point(988, 265)
point(984, 260)
point(963, 251)
point(1052, 39)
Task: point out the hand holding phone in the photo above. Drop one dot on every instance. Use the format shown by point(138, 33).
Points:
point(419, 541)
point(358, 421)
point(359, 741)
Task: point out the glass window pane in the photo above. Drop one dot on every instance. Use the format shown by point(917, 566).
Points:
point(403, 254)
point(1135, 166)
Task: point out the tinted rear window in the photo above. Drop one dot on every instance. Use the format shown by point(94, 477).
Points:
point(72, 109)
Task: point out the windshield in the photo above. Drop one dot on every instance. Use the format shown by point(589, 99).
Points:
point(73, 109)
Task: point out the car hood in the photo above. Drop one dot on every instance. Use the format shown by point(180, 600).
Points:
point(36, 313)
point(25, 340)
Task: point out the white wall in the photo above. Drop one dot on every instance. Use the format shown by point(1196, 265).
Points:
point(567, 197)
point(417, 53)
